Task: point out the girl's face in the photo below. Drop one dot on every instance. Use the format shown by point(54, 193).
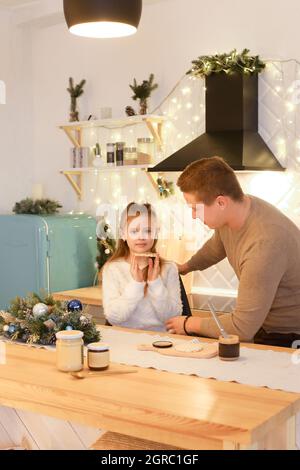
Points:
point(140, 234)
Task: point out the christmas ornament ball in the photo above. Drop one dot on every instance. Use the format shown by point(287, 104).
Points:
point(11, 329)
point(39, 310)
point(69, 328)
point(6, 328)
point(74, 306)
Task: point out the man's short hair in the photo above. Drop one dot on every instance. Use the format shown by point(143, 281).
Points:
point(209, 178)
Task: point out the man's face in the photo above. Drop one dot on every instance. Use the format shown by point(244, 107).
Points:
point(213, 215)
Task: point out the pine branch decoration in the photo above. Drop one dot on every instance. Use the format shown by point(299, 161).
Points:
point(228, 63)
point(37, 207)
point(165, 188)
point(19, 323)
point(143, 92)
point(75, 92)
point(106, 244)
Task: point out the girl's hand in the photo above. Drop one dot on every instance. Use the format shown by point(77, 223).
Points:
point(135, 271)
point(153, 269)
point(175, 325)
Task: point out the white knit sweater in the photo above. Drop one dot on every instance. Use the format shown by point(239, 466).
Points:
point(125, 303)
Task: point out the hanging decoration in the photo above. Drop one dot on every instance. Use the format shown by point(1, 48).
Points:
point(36, 319)
point(165, 188)
point(103, 18)
point(229, 63)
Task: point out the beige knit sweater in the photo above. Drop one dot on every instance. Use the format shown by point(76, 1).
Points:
point(265, 255)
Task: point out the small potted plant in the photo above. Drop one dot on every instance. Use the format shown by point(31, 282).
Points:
point(75, 92)
point(143, 92)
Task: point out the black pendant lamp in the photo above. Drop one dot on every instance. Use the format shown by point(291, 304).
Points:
point(103, 18)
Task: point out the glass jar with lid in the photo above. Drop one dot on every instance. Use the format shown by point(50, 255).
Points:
point(98, 356)
point(69, 351)
point(120, 153)
point(130, 156)
point(145, 151)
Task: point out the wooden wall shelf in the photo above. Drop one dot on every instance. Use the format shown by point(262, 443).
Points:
point(154, 123)
point(74, 131)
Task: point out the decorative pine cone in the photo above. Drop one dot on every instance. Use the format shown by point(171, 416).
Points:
point(130, 111)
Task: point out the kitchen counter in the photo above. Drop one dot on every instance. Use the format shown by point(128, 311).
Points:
point(87, 295)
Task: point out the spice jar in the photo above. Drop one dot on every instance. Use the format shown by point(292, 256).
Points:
point(145, 150)
point(110, 154)
point(120, 153)
point(69, 351)
point(130, 156)
point(98, 356)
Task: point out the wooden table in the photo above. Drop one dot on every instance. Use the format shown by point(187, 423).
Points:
point(184, 411)
point(87, 295)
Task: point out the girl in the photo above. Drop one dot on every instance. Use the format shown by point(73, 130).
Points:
point(140, 291)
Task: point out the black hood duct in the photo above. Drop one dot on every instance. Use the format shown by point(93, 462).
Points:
point(231, 128)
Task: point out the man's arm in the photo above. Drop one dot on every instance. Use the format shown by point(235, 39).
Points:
point(262, 271)
point(211, 253)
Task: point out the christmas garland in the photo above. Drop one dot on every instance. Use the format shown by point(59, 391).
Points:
point(228, 63)
point(165, 188)
point(106, 244)
point(37, 207)
point(36, 320)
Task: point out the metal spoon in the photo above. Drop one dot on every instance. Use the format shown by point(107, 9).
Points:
point(217, 320)
point(85, 375)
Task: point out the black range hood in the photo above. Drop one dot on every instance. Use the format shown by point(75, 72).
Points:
point(231, 128)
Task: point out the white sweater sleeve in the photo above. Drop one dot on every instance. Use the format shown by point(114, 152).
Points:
point(165, 294)
point(118, 306)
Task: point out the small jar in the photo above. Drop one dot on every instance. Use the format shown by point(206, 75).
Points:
point(98, 356)
point(130, 156)
point(229, 348)
point(120, 153)
point(69, 351)
point(145, 151)
point(110, 154)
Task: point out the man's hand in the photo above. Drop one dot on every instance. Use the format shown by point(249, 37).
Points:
point(183, 268)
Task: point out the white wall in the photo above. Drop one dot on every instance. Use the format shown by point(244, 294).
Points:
point(171, 34)
point(16, 157)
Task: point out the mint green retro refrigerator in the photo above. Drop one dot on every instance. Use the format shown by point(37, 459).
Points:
point(45, 253)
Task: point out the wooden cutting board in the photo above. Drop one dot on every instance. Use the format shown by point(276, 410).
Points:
point(208, 351)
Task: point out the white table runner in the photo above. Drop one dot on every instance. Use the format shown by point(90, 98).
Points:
point(260, 368)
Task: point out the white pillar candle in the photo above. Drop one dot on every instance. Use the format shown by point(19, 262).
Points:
point(37, 191)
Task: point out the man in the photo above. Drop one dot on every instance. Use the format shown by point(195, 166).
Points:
point(261, 244)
